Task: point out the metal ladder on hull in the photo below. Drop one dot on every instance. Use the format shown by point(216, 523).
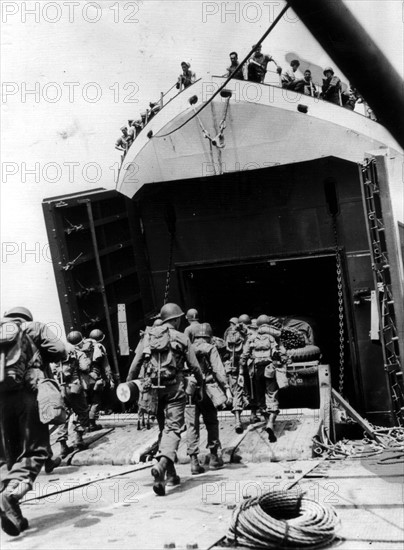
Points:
point(388, 332)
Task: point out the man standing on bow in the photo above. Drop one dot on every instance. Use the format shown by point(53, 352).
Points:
point(257, 64)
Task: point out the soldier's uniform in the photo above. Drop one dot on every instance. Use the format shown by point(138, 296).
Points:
point(192, 318)
point(234, 338)
point(70, 373)
point(260, 355)
point(212, 367)
point(171, 394)
point(25, 439)
point(99, 377)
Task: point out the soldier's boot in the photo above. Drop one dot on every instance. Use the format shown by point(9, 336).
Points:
point(12, 520)
point(254, 418)
point(159, 473)
point(94, 427)
point(215, 461)
point(196, 468)
point(65, 450)
point(79, 444)
point(52, 463)
point(270, 428)
point(172, 478)
point(238, 427)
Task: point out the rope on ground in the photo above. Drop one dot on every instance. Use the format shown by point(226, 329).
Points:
point(282, 520)
point(389, 440)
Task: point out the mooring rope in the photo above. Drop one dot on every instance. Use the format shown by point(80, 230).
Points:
point(281, 520)
point(389, 440)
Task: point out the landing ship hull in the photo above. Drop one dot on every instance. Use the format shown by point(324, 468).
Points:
point(276, 220)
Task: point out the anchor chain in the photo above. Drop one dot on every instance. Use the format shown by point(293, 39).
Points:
point(340, 310)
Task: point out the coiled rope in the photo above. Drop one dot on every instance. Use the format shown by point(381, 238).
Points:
point(282, 520)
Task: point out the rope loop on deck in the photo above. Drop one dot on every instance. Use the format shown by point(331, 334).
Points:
point(281, 520)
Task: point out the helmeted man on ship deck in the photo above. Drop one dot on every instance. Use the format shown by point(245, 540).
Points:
point(331, 88)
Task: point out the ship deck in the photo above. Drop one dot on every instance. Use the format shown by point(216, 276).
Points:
point(89, 505)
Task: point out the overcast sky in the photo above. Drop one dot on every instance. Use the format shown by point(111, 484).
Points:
point(93, 65)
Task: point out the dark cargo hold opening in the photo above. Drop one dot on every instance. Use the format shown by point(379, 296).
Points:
point(299, 288)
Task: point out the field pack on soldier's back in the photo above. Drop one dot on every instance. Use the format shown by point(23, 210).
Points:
point(262, 348)
point(159, 347)
point(16, 352)
point(234, 340)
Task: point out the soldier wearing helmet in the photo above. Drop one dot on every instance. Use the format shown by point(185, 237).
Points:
point(212, 368)
point(25, 438)
point(192, 316)
point(244, 320)
point(261, 355)
point(75, 338)
point(163, 354)
point(233, 324)
point(100, 375)
point(331, 88)
point(72, 375)
point(234, 338)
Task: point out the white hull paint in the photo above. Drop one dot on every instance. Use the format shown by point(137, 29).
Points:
point(264, 128)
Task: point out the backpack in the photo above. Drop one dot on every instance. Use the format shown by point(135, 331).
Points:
point(202, 350)
point(262, 348)
point(234, 341)
point(51, 405)
point(159, 346)
point(16, 355)
point(86, 358)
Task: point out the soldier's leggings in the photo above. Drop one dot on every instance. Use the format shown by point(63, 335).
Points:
point(94, 398)
point(75, 398)
point(192, 420)
point(172, 401)
point(25, 440)
point(265, 392)
point(239, 397)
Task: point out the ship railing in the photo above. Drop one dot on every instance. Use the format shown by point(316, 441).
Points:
point(275, 81)
point(361, 107)
point(161, 101)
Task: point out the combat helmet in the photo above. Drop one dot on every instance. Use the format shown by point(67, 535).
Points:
point(97, 335)
point(192, 315)
point(204, 330)
point(245, 319)
point(20, 312)
point(74, 337)
point(170, 311)
point(263, 320)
